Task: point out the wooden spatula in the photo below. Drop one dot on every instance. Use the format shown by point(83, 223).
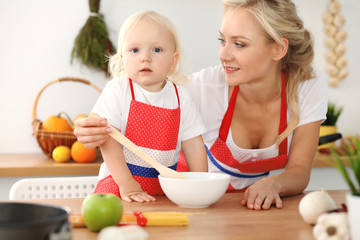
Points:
point(164, 171)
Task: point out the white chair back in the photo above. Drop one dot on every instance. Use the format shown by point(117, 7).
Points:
point(53, 187)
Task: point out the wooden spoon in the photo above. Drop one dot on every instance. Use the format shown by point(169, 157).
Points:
point(164, 171)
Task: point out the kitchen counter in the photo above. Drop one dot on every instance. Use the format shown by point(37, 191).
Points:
point(226, 219)
point(321, 160)
point(37, 164)
point(14, 167)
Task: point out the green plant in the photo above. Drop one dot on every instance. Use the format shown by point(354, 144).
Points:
point(332, 114)
point(352, 146)
point(92, 45)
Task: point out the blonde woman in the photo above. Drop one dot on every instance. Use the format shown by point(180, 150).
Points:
point(153, 112)
point(262, 107)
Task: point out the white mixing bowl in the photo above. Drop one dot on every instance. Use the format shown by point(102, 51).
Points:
point(199, 190)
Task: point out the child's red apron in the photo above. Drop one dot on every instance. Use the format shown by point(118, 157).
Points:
point(222, 160)
point(155, 130)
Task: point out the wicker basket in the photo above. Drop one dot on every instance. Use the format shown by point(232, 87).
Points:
point(48, 140)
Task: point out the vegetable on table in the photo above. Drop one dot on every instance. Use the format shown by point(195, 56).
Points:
point(332, 226)
point(313, 204)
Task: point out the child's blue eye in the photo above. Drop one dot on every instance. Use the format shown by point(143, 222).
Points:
point(157, 50)
point(222, 41)
point(135, 50)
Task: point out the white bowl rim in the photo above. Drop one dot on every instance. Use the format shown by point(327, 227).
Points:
point(220, 176)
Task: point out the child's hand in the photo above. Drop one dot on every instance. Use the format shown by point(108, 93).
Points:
point(138, 197)
point(133, 192)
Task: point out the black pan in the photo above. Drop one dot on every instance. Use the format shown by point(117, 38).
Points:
point(329, 138)
point(25, 221)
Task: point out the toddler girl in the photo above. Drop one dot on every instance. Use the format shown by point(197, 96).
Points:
point(153, 112)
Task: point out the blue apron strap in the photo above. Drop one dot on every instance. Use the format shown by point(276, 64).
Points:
point(212, 159)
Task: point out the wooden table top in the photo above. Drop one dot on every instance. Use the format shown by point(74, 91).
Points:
point(226, 219)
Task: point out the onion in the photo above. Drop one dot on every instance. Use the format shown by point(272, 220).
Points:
point(313, 204)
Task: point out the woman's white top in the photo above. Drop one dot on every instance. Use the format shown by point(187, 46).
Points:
point(210, 93)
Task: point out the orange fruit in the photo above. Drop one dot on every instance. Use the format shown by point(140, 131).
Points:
point(80, 154)
point(81, 115)
point(57, 123)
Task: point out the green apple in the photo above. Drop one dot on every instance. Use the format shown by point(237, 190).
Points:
point(101, 210)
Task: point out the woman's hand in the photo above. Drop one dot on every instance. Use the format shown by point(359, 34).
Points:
point(91, 132)
point(132, 191)
point(262, 194)
point(292, 181)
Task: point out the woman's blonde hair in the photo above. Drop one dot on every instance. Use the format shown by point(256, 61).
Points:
point(115, 67)
point(279, 19)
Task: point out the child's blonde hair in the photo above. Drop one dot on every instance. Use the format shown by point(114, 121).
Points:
point(115, 67)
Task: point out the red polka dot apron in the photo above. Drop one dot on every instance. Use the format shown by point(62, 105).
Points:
point(222, 160)
point(155, 130)
point(221, 157)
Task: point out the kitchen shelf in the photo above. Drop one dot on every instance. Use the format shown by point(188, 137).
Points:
point(321, 160)
point(37, 164)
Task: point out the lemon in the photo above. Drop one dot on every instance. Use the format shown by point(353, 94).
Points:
point(61, 154)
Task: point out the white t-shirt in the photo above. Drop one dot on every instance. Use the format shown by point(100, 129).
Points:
point(210, 93)
point(114, 103)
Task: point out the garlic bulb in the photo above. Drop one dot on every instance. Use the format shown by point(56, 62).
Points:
point(341, 62)
point(111, 233)
point(333, 81)
point(330, 42)
point(332, 70)
point(332, 226)
point(328, 18)
point(123, 233)
point(331, 57)
point(333, 22)
point(330, 30)
point(334, 7)
point(313, 204)
point(340, 49)
point(343, 73)
point(339, 20)
point(341, 36)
